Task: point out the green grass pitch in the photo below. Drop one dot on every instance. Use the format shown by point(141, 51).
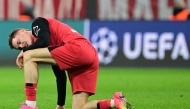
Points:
point(150, 88)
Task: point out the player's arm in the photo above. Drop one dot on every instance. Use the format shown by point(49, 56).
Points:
point(61, 80)
point(40, 29)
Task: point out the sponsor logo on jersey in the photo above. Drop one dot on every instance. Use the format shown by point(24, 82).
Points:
point(36, 30)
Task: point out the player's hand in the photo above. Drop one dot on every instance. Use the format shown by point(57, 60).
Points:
point(19, 60)
point(59, 107)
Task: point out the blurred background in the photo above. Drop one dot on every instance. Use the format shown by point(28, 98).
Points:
point(126, 33)
point(143, 48)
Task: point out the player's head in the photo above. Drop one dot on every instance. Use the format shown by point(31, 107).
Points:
point(20, 38)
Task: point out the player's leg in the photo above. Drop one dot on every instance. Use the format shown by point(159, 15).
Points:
point(64, 56)
point(118, 101)
point(83, 78)
point(61, 80)
point(79, 100)
point(31, 58)
point(83, 82)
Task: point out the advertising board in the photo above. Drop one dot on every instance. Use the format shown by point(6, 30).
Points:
point(141, 43)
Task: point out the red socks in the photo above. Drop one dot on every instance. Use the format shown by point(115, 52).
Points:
point(30, 90)
point(104, 104)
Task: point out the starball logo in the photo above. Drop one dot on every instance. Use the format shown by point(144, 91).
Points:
point(105, 42)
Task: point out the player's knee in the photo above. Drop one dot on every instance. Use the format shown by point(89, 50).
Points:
point(79, 100)
point(27, 56)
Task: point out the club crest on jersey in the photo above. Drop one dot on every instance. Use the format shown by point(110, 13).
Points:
point(36, 30)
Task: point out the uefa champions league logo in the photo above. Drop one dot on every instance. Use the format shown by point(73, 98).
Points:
point(105, 42)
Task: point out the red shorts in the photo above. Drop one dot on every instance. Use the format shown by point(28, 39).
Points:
point(80, 59)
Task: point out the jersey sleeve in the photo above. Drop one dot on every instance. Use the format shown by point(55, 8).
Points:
point(40, 29)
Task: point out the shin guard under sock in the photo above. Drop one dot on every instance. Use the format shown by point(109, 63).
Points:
point(104, 104)
point(30, 90)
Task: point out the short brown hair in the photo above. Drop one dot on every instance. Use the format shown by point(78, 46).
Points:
point(11, 36)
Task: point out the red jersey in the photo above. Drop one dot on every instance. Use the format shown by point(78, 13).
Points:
point(60, 32)
point(51, 32)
